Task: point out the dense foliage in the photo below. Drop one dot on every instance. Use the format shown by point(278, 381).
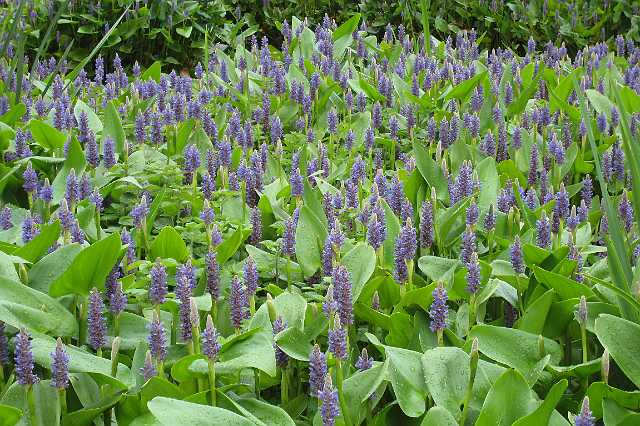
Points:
point(171, 30)
point(348, 230)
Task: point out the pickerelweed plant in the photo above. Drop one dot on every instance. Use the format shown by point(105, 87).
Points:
point(345, 231)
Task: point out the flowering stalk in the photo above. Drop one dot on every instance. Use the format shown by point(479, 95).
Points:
point(473, 368)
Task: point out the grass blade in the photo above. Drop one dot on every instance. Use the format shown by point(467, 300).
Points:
point(14, 25)
point(631, 151)
point(424, 12)
point(617, 248)
point(74, 73)
point(44, 44)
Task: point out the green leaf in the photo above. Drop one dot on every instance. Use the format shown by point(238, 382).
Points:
point(615, 415)
point(170, 412)
point(343, 35)
point(565, 288)
point(542, 414)
point(94, 121)
point(488, 175)
point(46, 402)
point(35, 248)
point(52, 266)
point(89, 268)
point(153, 72)
point(438, 416)
point(622, 339)
point(600, 391)
point(184, 132)
point(360, 386)
point(230, 246)
point(360, 261)
point(446, 374)
point(79, 361)
point(516, 348)
point(266, 413)
point(535, 316)
point(406, 376)
point(113, 126)
point(22, 306)
point(252, 349)
point(310, 236)
point(438, 268)
point(462, 90)
point(430, 171)
point(519, 104)
point(508, 400)
point(169, 244)
point(9, 416)
point(185, 31)
point(46, 136)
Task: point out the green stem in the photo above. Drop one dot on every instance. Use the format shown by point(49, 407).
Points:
point(212, 382)
point(256, 380)
point(467, 398)
point(62, 395)
point(585, 350)
point(343, 403)
point(284, 386)
point(82, 320)
point(32, 405)
point(98, 228)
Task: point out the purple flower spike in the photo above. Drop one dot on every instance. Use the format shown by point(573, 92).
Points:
point(404, 251)
point(338, 340)
point(117, 300)
point(236, 302)
point(364, 362)
point(473, 274)
point(96, 325)
point(158, 288)
point(585, 418)
point(209, 338)
point(251, 276)
point(59, 367)
point(516, 256)
point(30, 177)
point(342, 292)
point(330, 409)
point(281, 358)
point(148, 370)
point(543, 231)
point(625, 209)
point(157, 339)
point(24, 359)
point(426, 224)
point(317, 370)
point(439, 311)
point(5, 218)
point(213, 275)
point(108, 153)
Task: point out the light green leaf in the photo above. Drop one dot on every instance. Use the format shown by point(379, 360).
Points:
point(22, 306)
point(169, 244)
point(89, 268)
point(622, 339)
point(170, 412)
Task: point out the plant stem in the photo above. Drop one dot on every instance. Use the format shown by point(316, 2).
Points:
point(32, 405)
point(212, 382)
point(341, 397)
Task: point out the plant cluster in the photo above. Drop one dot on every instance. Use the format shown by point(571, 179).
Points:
point(171, 30)
point(348, 230)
